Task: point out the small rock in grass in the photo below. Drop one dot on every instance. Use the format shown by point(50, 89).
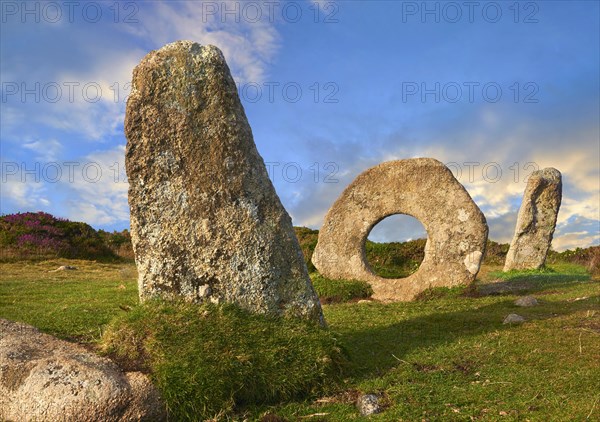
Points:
point(63, 268)
point(513, 319)
point(368, 404)
point(526, 301)
point(365, 301)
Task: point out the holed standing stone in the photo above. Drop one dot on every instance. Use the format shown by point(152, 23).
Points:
point(206, 223)
point(420, 187)
point(536, 221)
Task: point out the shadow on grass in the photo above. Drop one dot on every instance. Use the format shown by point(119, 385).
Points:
point(377, 349)
point(529, 283)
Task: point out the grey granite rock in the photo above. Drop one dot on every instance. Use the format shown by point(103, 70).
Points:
point(43, 378)
point(536, 221)
point(206, 223)
point(423, 188)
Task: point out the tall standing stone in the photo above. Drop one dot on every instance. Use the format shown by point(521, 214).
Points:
point(536, 221)
point(206, 222)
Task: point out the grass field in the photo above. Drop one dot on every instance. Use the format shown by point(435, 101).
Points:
point(73, 305)
point(446, 357)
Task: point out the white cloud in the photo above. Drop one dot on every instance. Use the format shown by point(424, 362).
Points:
point(107, 63)
point(248, 46)
point(22, 194)
point(11, 116)
point(46, 151)
point(91, 214)
point(101, 190)
point(574, 240)
point(400, 228)
point(498, 196)
point(486, 135)
point(92, 189)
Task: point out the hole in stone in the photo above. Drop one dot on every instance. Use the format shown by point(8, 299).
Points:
point(395, 246)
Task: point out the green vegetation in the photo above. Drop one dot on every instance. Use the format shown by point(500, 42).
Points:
point(451, 358)
point(334, 291)
point(389, 260)
point(401, 259)
point(308, 241)
point(446, 356)
point(207, 358)
point(588, 257)
point(495, 253)
point(119, 243)
point(395, 259)
point(555, 271)
point(68, 304)
point(41, 236)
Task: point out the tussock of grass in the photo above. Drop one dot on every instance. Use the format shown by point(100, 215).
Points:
point(208, 359)
point(334, 291)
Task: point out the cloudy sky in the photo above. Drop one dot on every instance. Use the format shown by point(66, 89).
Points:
point(493, 89)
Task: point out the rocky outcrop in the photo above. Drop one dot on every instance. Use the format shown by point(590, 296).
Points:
point(206, 223)
point(536, 221)
point(423, 188)
point(43, 378)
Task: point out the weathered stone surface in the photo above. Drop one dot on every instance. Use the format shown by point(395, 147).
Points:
point(206, 222)
point(43, 378)
point(526, 301)
point(368, 404)
point(536, 221)
point(423, 188)
point(513, 319)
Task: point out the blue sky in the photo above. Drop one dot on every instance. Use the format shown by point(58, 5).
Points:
point(331, 88)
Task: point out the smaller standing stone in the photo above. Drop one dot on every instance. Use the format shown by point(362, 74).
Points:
point(368, 404)
point(513, 319)
point(526, 301)
point(536, 221)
